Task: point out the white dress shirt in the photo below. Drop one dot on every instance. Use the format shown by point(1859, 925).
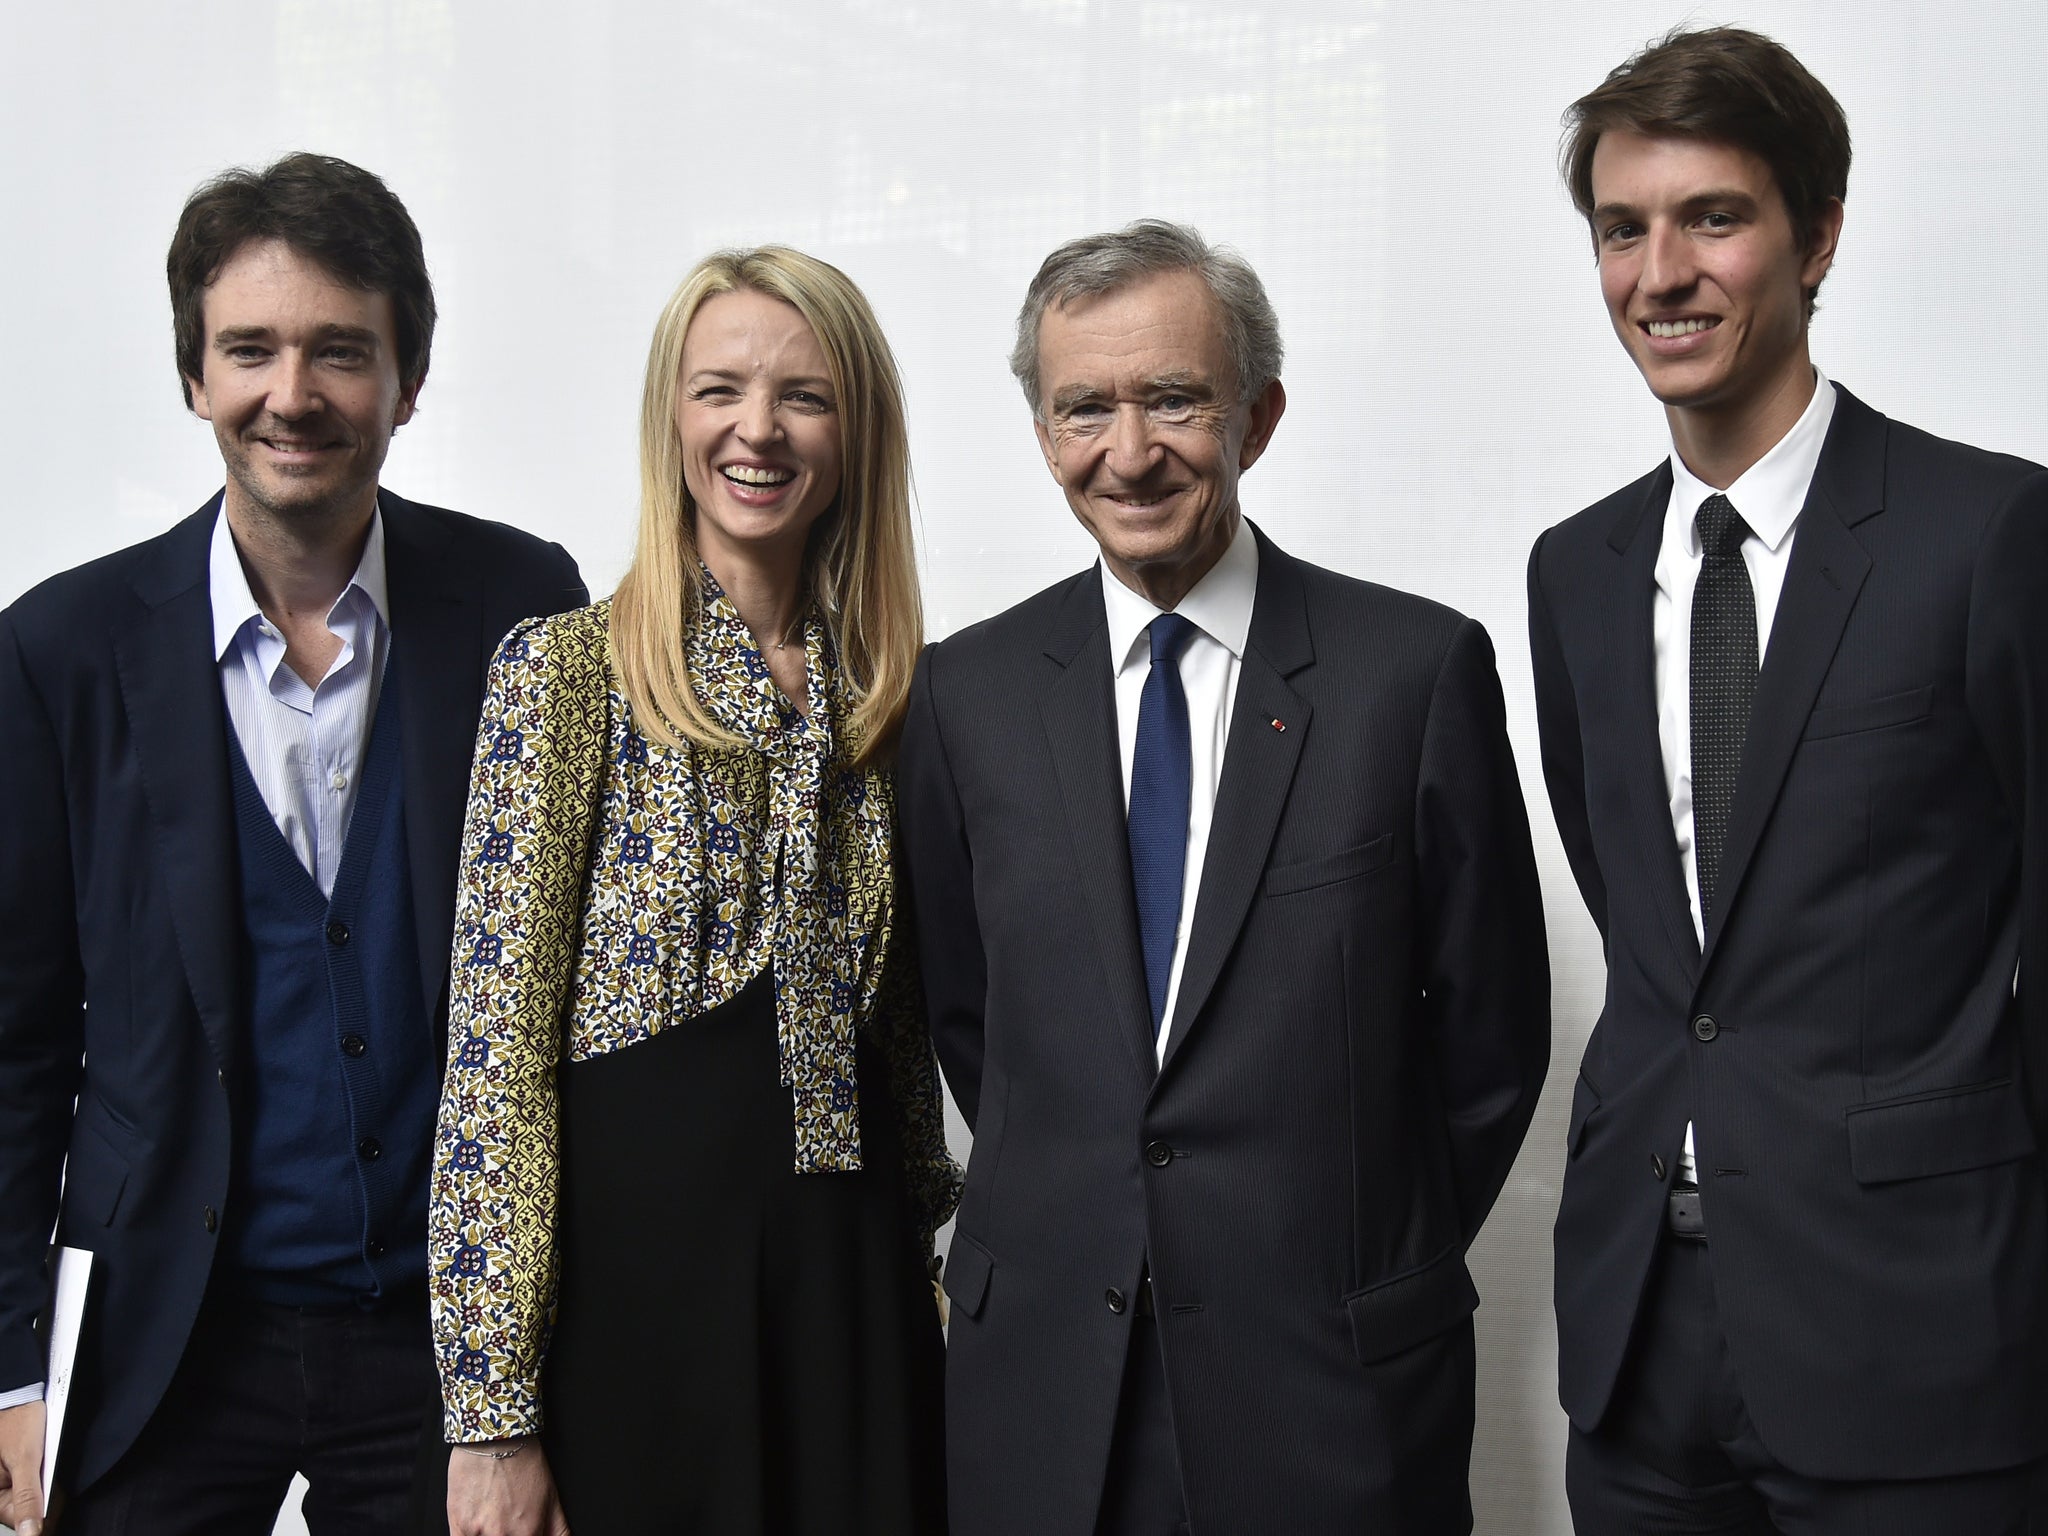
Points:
point(1220, 608)
point(1768, 497)
point(305, 746)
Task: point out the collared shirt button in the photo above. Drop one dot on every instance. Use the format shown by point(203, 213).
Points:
point(339, 781)
point(1115, 1300)
point(1704, 1028)
point(1158, 1154)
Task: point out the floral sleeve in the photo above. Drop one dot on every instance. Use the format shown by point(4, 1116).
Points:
point(935, 1179)
point(533, 799)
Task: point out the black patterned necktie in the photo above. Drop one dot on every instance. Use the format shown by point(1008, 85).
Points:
point(1724, 667)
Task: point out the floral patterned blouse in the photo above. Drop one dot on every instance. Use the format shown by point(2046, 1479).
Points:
point(612, 886)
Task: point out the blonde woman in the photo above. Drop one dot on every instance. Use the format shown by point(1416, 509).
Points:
point(691, 1150)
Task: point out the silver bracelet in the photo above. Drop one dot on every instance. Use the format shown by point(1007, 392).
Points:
point(512, 1448)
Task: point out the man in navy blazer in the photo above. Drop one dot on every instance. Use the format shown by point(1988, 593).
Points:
point(234, 769)
point(1793, 693)
point(1233, 947)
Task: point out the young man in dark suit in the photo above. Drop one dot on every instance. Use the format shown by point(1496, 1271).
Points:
point(1234, 954)
point(1793, 694)
point(234, 770)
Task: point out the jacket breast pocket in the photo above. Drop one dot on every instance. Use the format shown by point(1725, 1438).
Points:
point(1950, 1131)
point(1331, 868)
point(1870, 714)
point(1398, 1314)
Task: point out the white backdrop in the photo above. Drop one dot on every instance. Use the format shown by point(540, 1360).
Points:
point(1388, 166)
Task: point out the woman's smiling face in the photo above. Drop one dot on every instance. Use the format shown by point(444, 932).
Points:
point(758, 421)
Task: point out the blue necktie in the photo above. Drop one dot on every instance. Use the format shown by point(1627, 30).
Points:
point(1161, 772)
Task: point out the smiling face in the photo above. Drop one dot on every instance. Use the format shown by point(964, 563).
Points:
point(1703, 275)
point(1142, 426)
point(299, 377)
point(759, 426)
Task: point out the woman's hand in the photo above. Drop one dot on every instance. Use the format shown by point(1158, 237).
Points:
point(512, 1496)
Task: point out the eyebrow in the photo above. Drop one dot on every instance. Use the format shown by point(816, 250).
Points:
point(733, 376)
point(1713, 197)
point(228, 335)
point(1178, 382)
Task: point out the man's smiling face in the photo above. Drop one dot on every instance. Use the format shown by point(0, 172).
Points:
point(1704, 277)
point(1143, 425)
point(299, 376)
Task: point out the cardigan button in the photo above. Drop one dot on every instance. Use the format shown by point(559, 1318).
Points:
point(337, 934)
point(207, 1219)
point(353, 1045)
point(370, 1148)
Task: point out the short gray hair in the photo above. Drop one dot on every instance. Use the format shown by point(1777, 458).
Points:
point(1094, 265)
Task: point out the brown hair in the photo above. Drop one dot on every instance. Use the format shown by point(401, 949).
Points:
point(1729, 86)
point(327, 210)
point(860, 566)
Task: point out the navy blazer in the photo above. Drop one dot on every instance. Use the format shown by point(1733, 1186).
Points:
point(1867, 1087)
point(1358, 1043)
point(118, 916)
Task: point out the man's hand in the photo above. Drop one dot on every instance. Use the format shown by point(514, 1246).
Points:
point(510, 1497)
point(21, 1468)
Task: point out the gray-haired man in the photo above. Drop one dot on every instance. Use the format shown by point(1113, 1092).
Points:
point(1235, 959)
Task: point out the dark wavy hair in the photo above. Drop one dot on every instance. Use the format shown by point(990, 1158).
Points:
point(327, 210)
point(1727, 86)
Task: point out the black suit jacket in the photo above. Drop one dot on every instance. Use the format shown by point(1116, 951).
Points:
point(1869, 1094)
point(118, 926)
point(1360, 1036)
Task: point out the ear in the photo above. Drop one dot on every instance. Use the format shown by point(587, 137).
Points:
point(1826, 235)
point(408, 402)
point(198, 406)
point(1052, 459)
point(1265, 416)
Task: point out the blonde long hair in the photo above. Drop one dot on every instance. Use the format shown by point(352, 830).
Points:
point(859, 566)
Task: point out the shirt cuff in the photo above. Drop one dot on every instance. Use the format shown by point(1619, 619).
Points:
point(32, 1393)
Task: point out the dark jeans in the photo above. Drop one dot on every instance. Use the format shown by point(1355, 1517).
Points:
point(1678, 1455)
point(338, 1393)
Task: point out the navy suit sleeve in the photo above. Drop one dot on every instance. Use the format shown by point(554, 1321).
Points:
point(1485, 964)
point(941, 892)
point(2006, 679)
point(1557, 729)
point(42, 993)
point(574, 594)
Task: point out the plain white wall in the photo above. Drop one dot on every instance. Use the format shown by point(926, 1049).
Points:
point(1389, 168)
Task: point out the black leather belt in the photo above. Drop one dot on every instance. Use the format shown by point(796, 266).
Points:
point(1682, 1214)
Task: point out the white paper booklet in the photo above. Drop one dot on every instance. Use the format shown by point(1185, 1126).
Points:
point(67, 1312)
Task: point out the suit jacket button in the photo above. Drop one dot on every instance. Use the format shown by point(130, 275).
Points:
point(337, 933)
point(207, 1219)
point(1657, 1167)
point(1704, 1028)
point(1115, 1298)
point(1158, 1154)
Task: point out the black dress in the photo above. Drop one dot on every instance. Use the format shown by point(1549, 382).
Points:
point(739, 1348)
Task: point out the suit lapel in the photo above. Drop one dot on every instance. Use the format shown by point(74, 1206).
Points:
point(170, 690)
point(437, 656)
point(1822, 580)
point(1636, 537)
point(1258, 767)
point(1079, 714)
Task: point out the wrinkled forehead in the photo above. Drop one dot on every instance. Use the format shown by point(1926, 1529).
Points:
point(1163, 324)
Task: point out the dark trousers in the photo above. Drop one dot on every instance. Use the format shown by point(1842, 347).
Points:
point(338, 1393)
point(1678, 1455)
point(1141, 1493)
